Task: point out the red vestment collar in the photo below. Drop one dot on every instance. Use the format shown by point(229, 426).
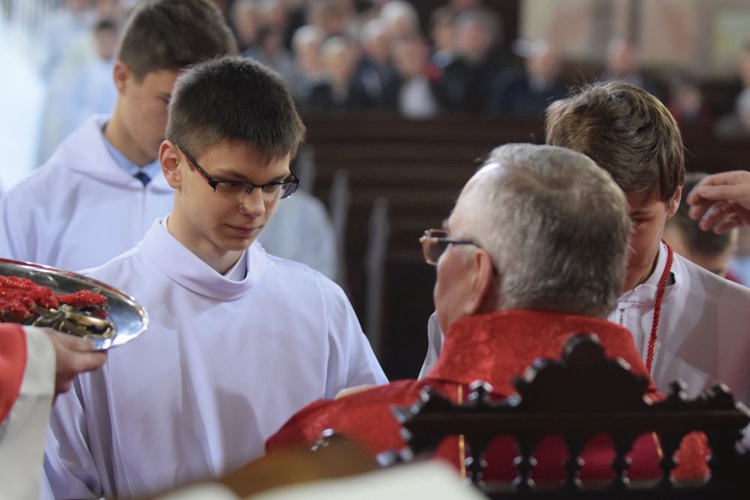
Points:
point(492, 346)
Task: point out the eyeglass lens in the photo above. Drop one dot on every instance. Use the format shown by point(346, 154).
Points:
point(240, 189)
point(237, 190)
point(433, 246)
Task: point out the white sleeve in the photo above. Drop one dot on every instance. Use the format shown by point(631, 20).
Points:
point(352, 362)
point(434, 345)
point(6, 237)
point(23, 431)
point(19, 226)
point(69, 467)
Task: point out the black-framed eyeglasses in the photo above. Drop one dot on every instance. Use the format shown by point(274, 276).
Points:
point(435, 241)
point(237, 190)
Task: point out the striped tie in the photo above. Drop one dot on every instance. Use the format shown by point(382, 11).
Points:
point(142, 176)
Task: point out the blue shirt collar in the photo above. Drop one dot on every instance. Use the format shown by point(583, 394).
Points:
point(152, 169)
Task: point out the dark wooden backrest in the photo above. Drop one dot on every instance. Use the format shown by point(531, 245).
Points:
point(583, 395)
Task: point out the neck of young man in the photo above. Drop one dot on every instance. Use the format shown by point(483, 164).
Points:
point(220, 261)
point(632, 282)
point(117, 135)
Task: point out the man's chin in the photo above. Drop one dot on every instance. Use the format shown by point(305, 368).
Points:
point(239, 245)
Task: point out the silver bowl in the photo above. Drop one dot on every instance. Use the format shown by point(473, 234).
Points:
point(129, 317)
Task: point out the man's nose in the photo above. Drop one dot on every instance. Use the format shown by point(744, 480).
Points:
point(253, 203)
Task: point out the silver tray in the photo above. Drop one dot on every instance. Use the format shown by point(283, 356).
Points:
point(129, 317)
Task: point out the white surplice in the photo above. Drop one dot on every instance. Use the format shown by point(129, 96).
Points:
point(81, 208)
point(703, 335)
point(23, 431)
point(222, 365)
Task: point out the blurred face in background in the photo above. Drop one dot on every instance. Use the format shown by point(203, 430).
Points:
point(544, 65)
point(410, 57)
point(472, 40)
point(622, 59)
point(106, 43)
point(245, 19)
point(340, 62)
point(78, 6)
point(443, 33)
point(688, 99)
point(377, 45)
point(744, 67)
point(306, 44)
point(716, 263)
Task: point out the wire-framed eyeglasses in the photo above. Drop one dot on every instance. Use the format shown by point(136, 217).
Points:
point(236, 190)
point(435, 241)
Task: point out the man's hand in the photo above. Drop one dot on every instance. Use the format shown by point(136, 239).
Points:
point(73, 355)
point(721, 201)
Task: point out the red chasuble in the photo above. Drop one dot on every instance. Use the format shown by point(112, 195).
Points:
point(495, 348)
point(12, 365)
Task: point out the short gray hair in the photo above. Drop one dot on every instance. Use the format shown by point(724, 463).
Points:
point(556, 226)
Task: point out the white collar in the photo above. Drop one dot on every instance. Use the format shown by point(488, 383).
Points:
point(645, 293)
point(187, 270)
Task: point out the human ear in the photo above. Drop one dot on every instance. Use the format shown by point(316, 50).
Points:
point(169, 157)
point(483, 286)
point(674, 203)
point(120, 75)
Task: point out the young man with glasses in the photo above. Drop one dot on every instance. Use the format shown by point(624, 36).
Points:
point(238, 340)
point(500, 309)
point(102, 188)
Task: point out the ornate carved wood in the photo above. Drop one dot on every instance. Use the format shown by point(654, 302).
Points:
point(583, 395)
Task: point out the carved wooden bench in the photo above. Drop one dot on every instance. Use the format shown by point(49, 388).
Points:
point(583, 395)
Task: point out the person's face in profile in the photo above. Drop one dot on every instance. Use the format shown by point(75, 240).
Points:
point(142, 111)
point(453, 286)
point(649, 218)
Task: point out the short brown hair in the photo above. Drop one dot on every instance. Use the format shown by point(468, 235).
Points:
point(173, 34)
point(626, 131)
point(234, 99)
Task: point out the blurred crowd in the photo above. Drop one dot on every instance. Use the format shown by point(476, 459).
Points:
point(368, 56)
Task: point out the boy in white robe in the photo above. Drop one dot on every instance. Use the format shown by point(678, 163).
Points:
point(238, 340)
point(84, 206)
point(687, 322)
